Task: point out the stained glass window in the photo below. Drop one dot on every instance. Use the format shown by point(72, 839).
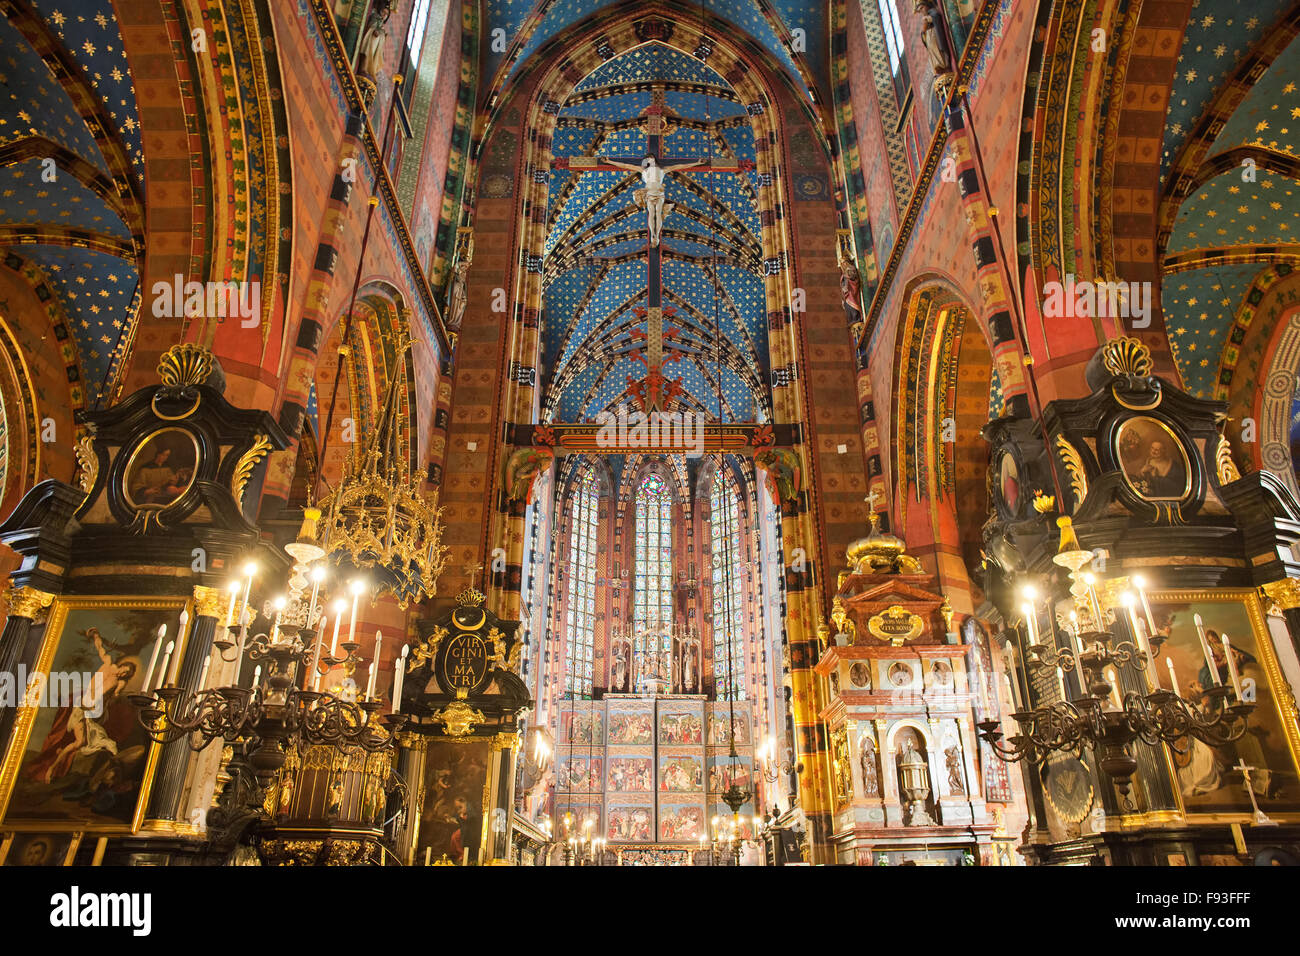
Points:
point(728, 588)
point(580, 572)
point(654, 553)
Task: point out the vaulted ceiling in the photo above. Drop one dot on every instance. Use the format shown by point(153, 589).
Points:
point(66, 95)
point(594, 326)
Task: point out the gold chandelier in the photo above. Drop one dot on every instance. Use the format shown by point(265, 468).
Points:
point(378, 517)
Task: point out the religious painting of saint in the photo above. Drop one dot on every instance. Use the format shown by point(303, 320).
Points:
point(631, 728)
point(40, 849)
point(161, 469)
point(681, 824)
point(1153, 460)
point(630, 824)
point(720, 729)
point(451, 816)
point(1211, 779)
point(83, 759)
point(582, 727)
point(681, 774)
point(681, 728)
point(630, 775)
point(580, 774)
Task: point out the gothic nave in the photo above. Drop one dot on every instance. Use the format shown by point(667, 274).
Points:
point(650, 433)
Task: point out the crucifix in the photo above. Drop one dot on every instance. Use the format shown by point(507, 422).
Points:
point(1262, 819)
point(472, 570)
point(653, 390)
point(872, 498)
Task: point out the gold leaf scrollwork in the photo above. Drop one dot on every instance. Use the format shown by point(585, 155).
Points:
point(1127, 355)
point(459, 718)
point(1074, 468)
point(87, 464)
point(247, 462)
point(1223, 463)
point(184, 365)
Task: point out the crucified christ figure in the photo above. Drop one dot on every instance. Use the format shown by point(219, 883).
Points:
point(652, 196)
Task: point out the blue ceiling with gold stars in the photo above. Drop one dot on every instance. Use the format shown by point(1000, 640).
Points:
point(1233, 216)
point(789, 49)
point(595, 265)
point(1218, 36)
point(51, 204)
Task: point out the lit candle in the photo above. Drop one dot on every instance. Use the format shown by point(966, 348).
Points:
point(1173, 678)
point(162, 671)
point(1031, 622)
point(278, 604)
point(1232, 667)
point(339, 607)
point(352, 624)
point(234, 599)
point(250, 569)
point(153, 658)
point(1205, 649)
point(1139, 635)
point(174, 676)
point(399, 678)
point(257, 677)
point(245, 618)
point(374, 665)
point(1097, 622)
point(1141, 586)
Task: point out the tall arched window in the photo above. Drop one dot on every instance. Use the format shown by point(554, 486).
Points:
point(580, 621)
point(728, 588)
point(654, 552)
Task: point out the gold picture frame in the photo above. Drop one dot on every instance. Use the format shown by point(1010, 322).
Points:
point(1142, 470)
point(76, 609)
point(158, 438)
point(15, 848)
point(1278, 691)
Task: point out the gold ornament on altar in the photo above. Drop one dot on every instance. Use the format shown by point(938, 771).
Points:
point(458, 718)
point(881, 552)
point(378, 517)
point(184, 365)
point(896, 624)
point(1127, 355)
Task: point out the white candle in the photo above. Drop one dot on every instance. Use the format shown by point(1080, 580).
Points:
point(317, 576)
point(1139, 635)
point(1205, 649)
point(174, 676)
point(162, 671)
point(245, 618)
point(1060, 681)
point(428, 852)
point(374, 665)
point(230, 610)
point(1114, 688)
point(1031, 622)
point(1012, 694)
point(275, 628)
point(153, 658)
point(257, 676)
point(352, 624)
point(1173, 678)
point(339, 607)
point(203, 674)
point(249, 570)
point(399, 678)
point(313, 674)
point(1232, 667)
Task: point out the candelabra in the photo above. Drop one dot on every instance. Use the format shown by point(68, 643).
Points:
point(774, 769)
point(1100, 718)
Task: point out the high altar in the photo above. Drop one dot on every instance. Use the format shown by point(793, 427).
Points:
point(901, 686)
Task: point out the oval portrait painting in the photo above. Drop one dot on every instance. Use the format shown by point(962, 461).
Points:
point(1153, 460)
point(161, 469)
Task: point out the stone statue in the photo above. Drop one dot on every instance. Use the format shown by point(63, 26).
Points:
point(870, 772)
point(914, 782)
point(952, 760)
point(458, 295)
point(934, 47)
point(620, 667)
point(850, 290)
point(370, 59)
point(652, 196)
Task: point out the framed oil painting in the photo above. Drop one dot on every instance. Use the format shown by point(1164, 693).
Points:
point(39, 849)
point(681, 774)
point(79, 759)
point(452, 803)
point(631, 824)
point(1207, 778)
point(161, 469)
point(1153, 460)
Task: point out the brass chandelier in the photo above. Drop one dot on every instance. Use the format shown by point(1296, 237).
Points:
point(378, 517)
